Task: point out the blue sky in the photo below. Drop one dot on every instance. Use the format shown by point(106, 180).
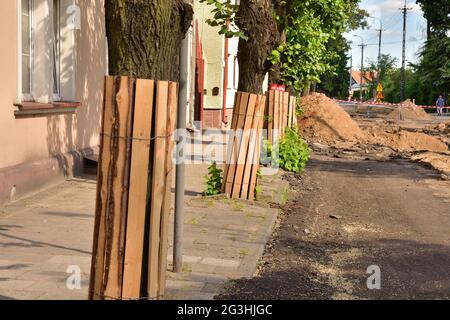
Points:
point(389, 13)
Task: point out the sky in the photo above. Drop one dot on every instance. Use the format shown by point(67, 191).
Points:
point(392, 18)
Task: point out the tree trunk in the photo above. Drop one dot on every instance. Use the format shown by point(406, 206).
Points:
point(257, 20)
point(144, 37)
point(306, 90)
point(281, 8)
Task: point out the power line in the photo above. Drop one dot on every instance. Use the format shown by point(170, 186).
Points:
point(386, 43)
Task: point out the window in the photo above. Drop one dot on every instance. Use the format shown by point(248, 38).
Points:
point(56, 49)
point(46, 54)
point(26, 48)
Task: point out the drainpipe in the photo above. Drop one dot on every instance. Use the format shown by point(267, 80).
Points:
point(225, 83)
point(181, 148)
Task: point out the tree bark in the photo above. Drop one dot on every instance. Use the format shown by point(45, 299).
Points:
point(281, 8)
point(144, 37)
point(257, 20)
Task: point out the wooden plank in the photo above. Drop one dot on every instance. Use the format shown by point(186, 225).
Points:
point(243, 147)
point(251, 150)
point(158, 186)
point(230, 150)
point(97, 265)
point(285, 110)
point(116, 215)
point(134, 249)
point(291, 112)
point(236, 142)
point(165, 218)
point(256, 160)
point(276, 117)
point(294, 121)
point(270, 116)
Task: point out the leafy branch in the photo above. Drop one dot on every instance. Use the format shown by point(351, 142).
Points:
point(225, 14)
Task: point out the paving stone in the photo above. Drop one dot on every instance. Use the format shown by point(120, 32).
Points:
point(13, 284)
point(52, 230)
point(10, 273)
point(221, 263)
point(43, 276)
point(20, 295)
point(71, 260)
point(186, 259)
point(184, 285)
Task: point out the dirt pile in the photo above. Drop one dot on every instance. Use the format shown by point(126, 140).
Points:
point(410, 112)
point(444, 127)
point(405, 141)
point(439, 162)
point(324, 121)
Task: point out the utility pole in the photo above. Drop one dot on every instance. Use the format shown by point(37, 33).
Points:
point(351, 77)
point(380, 33)
point(362, 45)
point(405, 10)
point(362, 74)
point(379, 54)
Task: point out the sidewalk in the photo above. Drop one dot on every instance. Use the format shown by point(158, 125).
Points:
point(43, 235)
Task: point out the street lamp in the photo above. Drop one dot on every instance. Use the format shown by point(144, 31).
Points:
point(380, 33)
point(362, 67)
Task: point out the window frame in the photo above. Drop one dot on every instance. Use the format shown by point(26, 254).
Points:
point(21, 95)
point(56, 40)
point(28, 97)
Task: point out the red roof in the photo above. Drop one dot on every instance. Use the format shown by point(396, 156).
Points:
point(369, 76)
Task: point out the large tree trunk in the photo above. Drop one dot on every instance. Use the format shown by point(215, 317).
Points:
point(281, 8)
point(257, 20)
point(144, 37)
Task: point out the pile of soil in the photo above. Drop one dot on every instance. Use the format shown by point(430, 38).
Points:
point(444, 127)
point(410, 112)
point(439, 162)
point(405, 141)
point(324, 121)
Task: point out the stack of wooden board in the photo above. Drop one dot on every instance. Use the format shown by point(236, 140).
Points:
point(243, 158)
point(280, 114)
point(134, 189)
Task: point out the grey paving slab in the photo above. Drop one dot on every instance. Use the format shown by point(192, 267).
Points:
point(43, 235)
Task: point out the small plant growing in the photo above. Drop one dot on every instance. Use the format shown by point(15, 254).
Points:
point(213, 181)
point(293, 152)
point(266, 154)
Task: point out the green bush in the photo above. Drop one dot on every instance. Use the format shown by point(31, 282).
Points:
point(293, 152)
point(213, 181)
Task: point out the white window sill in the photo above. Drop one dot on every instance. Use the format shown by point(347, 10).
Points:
point(34, 109)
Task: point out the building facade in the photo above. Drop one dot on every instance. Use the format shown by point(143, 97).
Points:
point(53, 61)
point(217, 66)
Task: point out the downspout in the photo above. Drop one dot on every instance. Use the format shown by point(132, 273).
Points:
point(225, 84)
point(180, 160)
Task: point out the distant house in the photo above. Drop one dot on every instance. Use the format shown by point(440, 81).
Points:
point(368, 77)
point(53, 61)
point(216, 71)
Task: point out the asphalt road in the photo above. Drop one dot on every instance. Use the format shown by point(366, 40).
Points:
point(347, 216)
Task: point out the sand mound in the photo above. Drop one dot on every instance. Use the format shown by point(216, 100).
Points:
point(438, 161)
point(409, 113)
point(324, 121)
point(405, 141)
point(444, 127)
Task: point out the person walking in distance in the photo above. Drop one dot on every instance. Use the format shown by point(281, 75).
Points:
point(440, 102)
